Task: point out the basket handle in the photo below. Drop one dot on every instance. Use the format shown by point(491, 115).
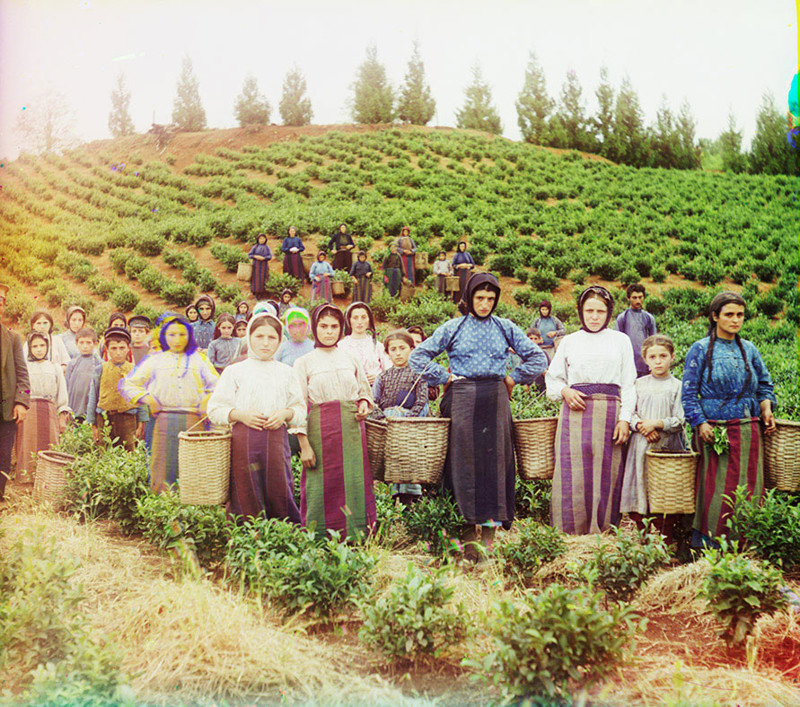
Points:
point(416, 382)
point(201, 420)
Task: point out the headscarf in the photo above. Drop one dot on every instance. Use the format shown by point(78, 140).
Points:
point(186, 311)
point(465, 306)
point(264, 236)
point(266, 307)
point(296, 314)
point(166, 320)
point(287, 291)
point(545, 303)
point(210, 300)
point(70, 311)
point(238, 316)
point(117, 317)
point(605, 296)
point(348, 313)
point(259, 318)
point(322, 310)
point(37, 335)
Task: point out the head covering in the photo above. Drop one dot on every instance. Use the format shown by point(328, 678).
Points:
point(117, 317)
point(287, 291)
point(322, 310)
point(36, 335)
point(601, 293)
point(322, 253)
point(255, 319)
point(349, 312)
point(38, 314)
point(267, 307)
point(71, 310)
point(140, 320)
point(458, 250)
point(262, 235)
point(210, 300)
point(481, 280)
point(191, 306)
point(116, 332)
point(166, 321)
point(295, 314)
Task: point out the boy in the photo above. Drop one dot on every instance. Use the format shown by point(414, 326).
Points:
point(536, 337)
point(80, 371)
point(106, 405)
point(139, 326)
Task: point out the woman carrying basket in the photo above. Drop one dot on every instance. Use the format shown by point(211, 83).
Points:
point(726, 385)
point(480, 467)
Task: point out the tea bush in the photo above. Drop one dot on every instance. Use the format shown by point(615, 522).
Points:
point(436, 521)
point(532, 499)
point(520, 554)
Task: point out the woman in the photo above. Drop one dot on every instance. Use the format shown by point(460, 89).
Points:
point(75, 320)
point(463, 265)
point(480, 467)
point(291, 248)
point(361, 272)
point(260, 255)
point(361, 342)
point(261, 398)
point(593, 374)
point(336, 485)
point(42, 322)
point(727, 385)
point(341, 243)
point(406, 247)
point(320, 275)
point(549, 327)
point(392, 271)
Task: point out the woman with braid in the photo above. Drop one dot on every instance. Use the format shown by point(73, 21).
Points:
point(726, 384)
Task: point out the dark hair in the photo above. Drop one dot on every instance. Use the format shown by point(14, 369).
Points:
point(716, 306)
point(533, 331)
point(635, 287)
point(399, 335)
point(362, 252)
point(289, 230)
point(85, 333)
point(326, 310)
point(416, 329)
point(658, 340)
point(349, 311)
point(443, 252)
point(545, 303)
point(322, 253)
point(596, 292)
point(221, 319)
point(460, 243)
point(260, 235)
point(117, 316)
point(264, 320)
point(38, 314)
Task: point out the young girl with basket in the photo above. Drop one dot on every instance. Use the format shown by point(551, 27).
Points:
point(320, 274)
point(260, 397)
point(360, 340)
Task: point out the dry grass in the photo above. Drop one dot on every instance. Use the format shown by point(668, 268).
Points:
point(580, 548)
point(675, 590)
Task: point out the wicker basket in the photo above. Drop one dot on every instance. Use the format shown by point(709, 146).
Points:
point(452, 283)
point(535, 444)
point(308, 260)
point(204, 466)
point(421, 261)
point(376, 443)
point(416, 448)
point(670, 481)
point(782, 456)
point(244, 271)
point(337, 287)
point(52, 470)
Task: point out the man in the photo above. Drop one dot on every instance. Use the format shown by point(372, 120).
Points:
point(14, 391)
point(637, 325)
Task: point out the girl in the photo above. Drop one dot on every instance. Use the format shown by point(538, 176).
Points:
point(260, 255)
point(291, 247)
point(76, 320)
point(341, 243)
point(443, 269)
point(463, 265)
point(549, 327)
point(242, 311)
point(360, 340)
point(117, 319)
point(320, 275)
point(407, 248)
point(42, 322)
point(361, 272)
point(224, 349)
point(204, 327)
point(593, 373)
point(657, 423)
point(49, 411)
point(392, 271)
point(260, 397)
point(298, 344)
point(191, 314)
point(286, 302)
point(418, 335)
point(240, 328)
point(175, 385)
point(726, 384)
point(336, 491)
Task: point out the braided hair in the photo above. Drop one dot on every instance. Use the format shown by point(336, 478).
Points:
point(715, 307)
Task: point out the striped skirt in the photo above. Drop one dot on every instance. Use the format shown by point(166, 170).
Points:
point(587, 483)
point(37, 432)
point(718, 475)
point(480, 468)
point(322, 289)
point(293, 265)
point(393, 280)
point(261, 474)
point(337, 493)
point(362, 289)
point(408, 267)
point(164, 447)
point(259, 277)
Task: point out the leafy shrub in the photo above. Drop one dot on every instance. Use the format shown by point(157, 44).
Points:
point(658, 274)
point(427, 309)
point(413, 619)
point(124, 298)
point(278, 282)
point(229, 255)
point(578, 276)
point(520, 554)
point(179, 293)
point(546, 640)
point(436, 521)
point(532, 499)
point(505, 264)
point(543, 279)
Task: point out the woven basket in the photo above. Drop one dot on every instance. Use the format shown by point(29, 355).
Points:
point(535, 444)
point(406, 291)
point(52, 471)
point(376, 443)
point(337, 287)
point(782, 456)
point(452, 283)
point(416, 448)
point(308, 260)
point(670, 481)
point(421, 261)
point(204, 466)
point(244, 271)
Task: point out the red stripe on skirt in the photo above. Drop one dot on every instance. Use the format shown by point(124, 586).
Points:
point(330, 418)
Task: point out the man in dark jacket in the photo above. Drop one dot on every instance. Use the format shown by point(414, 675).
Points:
point(14, 391)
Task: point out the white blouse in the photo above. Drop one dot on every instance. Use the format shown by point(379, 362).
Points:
point(603, 357)
point(258, 386)
point(368, 352)
point(331, 374)
point(47, 381)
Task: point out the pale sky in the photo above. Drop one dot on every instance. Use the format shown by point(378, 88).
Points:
point(720, 56)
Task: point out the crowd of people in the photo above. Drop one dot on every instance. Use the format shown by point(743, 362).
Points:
point(292, 382)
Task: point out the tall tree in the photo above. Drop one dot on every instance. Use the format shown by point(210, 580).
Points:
point(478, 113)
point(187, 110)
point(604, 122)
point(373, 98)
point(47, 124)
point(533, 104)
point(251, 107)
point(688, 154)
point(664, 141)
point(628, 142)
point(730, 142)
point(416, 105)
point(119, 120)
point(295, 106)
point(770, 152)
point(570, 126)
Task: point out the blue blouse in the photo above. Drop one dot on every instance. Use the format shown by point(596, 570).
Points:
point(478, 348)
point(261, 249)
point(703, 401)
point(320, 267)
point(292, 242)
point(289, 351)
point(203, 332)
point(460, 258)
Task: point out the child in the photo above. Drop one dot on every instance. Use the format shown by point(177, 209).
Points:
point(336, 484)
point(42, 322)
point(407, 248)
point(361, 272)
point(204, 326)
point(360, 340)
point(443, 269)
point(320, 275)
point(285, 303)
point(240, 328)
point(191, 314)
point(139, 327)
point(80, 371)
point(175, 385)
point(392, 271)
point(549, 327)
point(260, 397)
point(657, 423)
point(418, 335)
point(242, 311)
point(536, 337)
point(398, 392)
point(298, 344)
point(49, 411)
point(224, 349)
point(105, 404)
point(117, 319)
point(75, 320)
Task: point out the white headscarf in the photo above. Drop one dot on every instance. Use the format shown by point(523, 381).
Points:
point(258, 317)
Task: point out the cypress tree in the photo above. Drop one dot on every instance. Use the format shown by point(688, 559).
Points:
point(416, 104)
point(770, 152)
point(295, 106)
point(688, 154)
point(187, 110)
point(570, 126)
point(628, 142)
point(478, 113)
point(373, 99)
point(604, 122)
point(730, 142)
point(119, 119)
point(664, 141)
point(251, 108)
point(533, 104)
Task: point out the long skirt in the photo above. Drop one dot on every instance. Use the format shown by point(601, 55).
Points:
point(38, 432)
point(261, 474)
point(587, 483)
point(293, 265)
point(337, 493)
point(259, 277)
point(322, 290)
point(480, 468)
point(362, 289)
point(343, 260)
point(464, 274)
point(408, 267)
point(164, 447)
point(718, 475)
point(393, 280)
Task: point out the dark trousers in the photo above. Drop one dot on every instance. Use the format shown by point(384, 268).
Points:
point(8, 432)
point(123, 428)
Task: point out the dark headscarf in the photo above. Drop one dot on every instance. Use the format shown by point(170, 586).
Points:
point(117, 317)
point(545, 303)
point(598, 292)
point(482, 280)
point(210, 300)
point(36, 335)
point(323, 310)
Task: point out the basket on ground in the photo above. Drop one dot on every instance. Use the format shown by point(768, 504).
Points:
point(376, 444)
point(670, 481)
point(782, 456)
point(421, 261)
point(52, 472)
point(452, 283)
point(535, 445)
point(308, 260)
point(337, 287)
point(244, 271)
point(406, 291)
point(416, 448)
point(204, 466)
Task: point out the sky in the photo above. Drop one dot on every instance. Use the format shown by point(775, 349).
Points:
point(721, 57)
